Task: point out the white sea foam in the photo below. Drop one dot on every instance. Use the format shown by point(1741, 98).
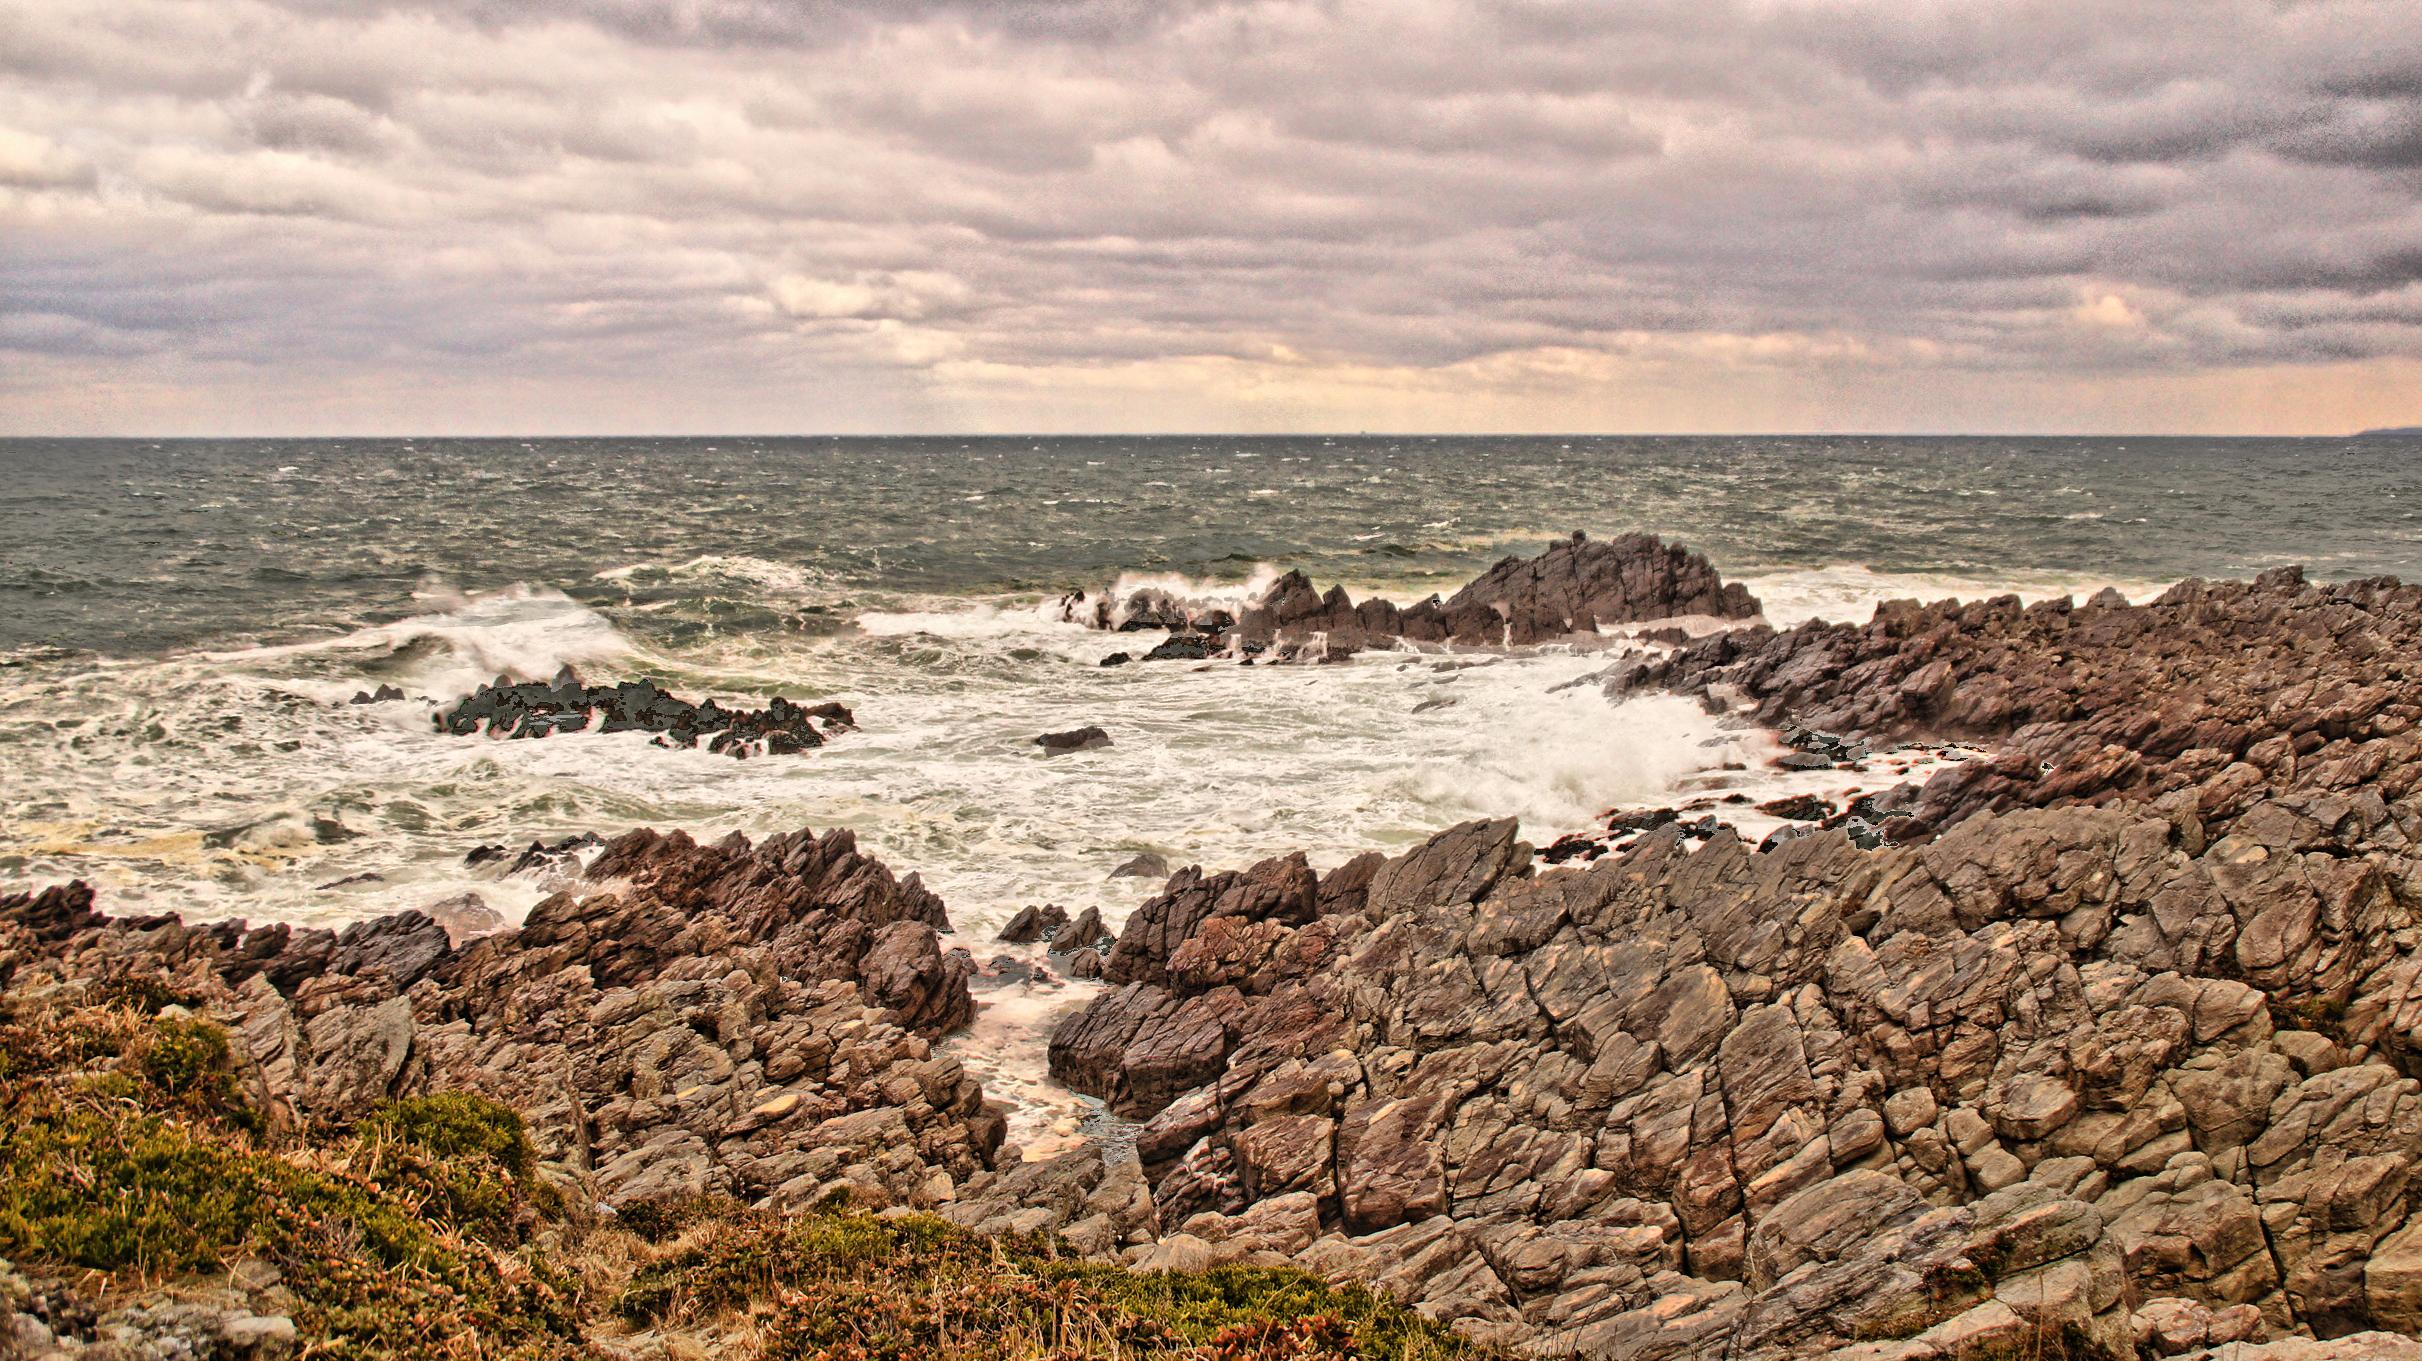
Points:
point(1849, 592)
point(1197, 593)
point(783, 578)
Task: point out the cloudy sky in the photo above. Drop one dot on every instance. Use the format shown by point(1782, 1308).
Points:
point(310, 216)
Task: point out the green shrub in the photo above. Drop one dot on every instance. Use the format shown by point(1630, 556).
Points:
point(458, 1125)
point(126, 1152)
point(849, 1286)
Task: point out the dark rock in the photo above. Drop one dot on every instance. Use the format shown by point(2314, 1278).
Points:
point(1798, 808)
point(1572, 587)
point(1145, 865)
point(1573, 846)
point(1117, 659)
point(1079, 739)
point(562, 854)
point(54, 913)
point(1182, 647)
point(384, 694)
point(365, 877)
point(1086, 931)
point(531, 709)
point(1034, 923)
point(1645, 820)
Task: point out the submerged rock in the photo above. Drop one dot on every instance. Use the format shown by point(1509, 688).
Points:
point(1145, 865)
point(1079, 739)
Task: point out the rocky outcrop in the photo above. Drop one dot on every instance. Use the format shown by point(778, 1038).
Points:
point(2061, 1075)
point(502, 708)
point(2223, 691)
point(1581, 583)
point(757, 1020)
point(1570, 589)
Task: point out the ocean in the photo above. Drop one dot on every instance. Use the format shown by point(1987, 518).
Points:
point(183, 623)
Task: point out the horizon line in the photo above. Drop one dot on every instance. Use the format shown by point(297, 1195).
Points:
point(2414, 431)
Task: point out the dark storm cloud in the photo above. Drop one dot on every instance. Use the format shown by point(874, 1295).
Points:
point(961, 198)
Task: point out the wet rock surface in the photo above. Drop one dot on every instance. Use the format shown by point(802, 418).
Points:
point(503, 708)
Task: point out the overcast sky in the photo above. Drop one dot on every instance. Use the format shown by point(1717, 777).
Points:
point(306, 216)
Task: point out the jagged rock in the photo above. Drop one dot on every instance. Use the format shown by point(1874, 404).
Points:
point(1085, 932)
point(54, 913)
point(540, 709)
point(1571, 588)
point(383, 695)
point(2226, 689)
point(1948, 1097)
point(1034, 923)
point(745, 1019)
point(1581, 583)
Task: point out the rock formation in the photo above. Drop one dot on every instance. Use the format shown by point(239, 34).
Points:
point(2017, 1084)
point(2104, 1047)
point(747, 1020)
point(539, 709)
point(1573, 587)
point(2110, 1058)
point(2217, 693)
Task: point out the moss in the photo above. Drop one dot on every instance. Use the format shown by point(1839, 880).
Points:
point(146, 994)
point(126, 1149)
point(867, 1288)
point(462, 1159)
point(126, 1152)
point(656, 1221)
point(458, 1125)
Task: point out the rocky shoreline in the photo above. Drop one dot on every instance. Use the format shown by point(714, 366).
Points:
point(2102, 1046)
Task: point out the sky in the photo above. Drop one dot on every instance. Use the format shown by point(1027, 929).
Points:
point(836, 216)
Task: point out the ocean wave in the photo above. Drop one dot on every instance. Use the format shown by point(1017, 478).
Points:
point(726, 570)
point(524, 632)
